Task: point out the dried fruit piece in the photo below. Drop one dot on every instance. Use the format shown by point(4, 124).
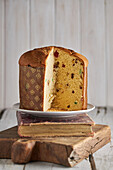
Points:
point(48, 82)
point(75, 102)
point(56, 54)
point(72, 75)
point(80, 87)
point(73, 64)
point(56, 64)
point(67, 84)
point(73, 61)
point(73, 91)
point(57, 90)
point(76, 61)
point(80, 71)
point(68, 106)
point(81, 77)
point(63, 65)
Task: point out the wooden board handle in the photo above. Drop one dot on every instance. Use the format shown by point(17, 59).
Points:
point(92, 162)
point(22, 150)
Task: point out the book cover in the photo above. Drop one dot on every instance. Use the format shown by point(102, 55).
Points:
point(30, 125)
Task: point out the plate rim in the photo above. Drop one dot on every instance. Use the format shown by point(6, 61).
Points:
point(14, 107)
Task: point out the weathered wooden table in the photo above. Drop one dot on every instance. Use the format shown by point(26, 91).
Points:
point(103, 157)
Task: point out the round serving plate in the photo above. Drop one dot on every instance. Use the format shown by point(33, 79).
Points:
point(90, 107)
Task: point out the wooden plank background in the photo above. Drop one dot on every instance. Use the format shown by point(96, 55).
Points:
point(83, 25)
point(2, 56)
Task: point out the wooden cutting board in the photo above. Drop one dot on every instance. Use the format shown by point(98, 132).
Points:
point(66, 151)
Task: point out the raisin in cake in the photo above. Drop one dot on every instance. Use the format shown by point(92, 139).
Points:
point(53, 77)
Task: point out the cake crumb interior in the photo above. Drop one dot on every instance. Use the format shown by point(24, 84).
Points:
point(63, 81)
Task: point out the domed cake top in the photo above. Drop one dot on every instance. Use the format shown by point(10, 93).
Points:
point(38, 56)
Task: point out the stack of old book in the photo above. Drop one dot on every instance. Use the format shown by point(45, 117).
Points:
point(31, 125)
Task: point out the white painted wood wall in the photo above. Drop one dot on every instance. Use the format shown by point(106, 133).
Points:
point(83, 25)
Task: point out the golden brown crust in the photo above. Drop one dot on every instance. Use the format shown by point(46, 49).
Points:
point(85, 89)
point(37, 57)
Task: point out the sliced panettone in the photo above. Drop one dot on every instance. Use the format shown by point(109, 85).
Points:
point(53, 77)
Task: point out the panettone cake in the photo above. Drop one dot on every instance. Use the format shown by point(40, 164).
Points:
point(53, 77)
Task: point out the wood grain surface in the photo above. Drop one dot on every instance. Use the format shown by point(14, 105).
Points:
point(67, 24)
point(109, 50)
point(103, 157)
point(93, 46)
point(41, 23)
point(2, 57)
point(67, 151)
